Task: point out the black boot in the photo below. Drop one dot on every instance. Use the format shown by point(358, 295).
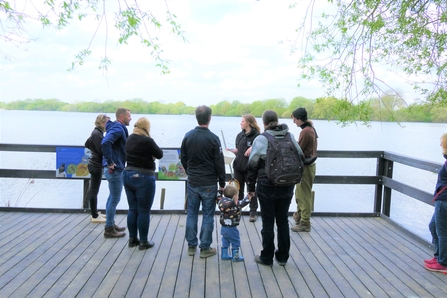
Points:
point(145, 245)
point(133, 242)
point(110, 232)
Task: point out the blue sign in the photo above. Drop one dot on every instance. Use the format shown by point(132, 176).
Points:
point(72, 162)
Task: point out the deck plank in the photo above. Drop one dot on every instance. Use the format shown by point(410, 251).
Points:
point(62, 254)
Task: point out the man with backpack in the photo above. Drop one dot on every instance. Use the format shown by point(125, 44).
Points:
point(303, 192)
point(274, 192)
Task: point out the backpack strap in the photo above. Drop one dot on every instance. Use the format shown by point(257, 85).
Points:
point(270, 139)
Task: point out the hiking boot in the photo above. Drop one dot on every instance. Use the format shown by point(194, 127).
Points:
point(259, 261)
point(431, 261)
point(99, 219)
point(133, 242)
point(145, 245)
point(436, 267)
point(119, 229)
point(205, 253)
point(192, 250)
point(297, 218)
point(110, 232)
point(252, 218)
point(301, 227)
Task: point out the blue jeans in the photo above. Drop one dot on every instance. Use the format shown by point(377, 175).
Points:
point(207, 196)
point(115, 180)
point(230, 235)
point(93, 190)
point(275, 202)
point(438, 229)
point(140, 191)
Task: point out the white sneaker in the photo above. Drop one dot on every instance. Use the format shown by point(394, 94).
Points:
point(99, 219)
point(101, 215)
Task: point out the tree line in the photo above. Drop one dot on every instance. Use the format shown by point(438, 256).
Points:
point(388, 108)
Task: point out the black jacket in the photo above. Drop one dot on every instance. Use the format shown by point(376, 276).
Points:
point(94, 144)
point(201, 156)
point(243, 142)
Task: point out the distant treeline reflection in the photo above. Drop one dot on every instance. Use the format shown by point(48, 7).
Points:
point(387, 108)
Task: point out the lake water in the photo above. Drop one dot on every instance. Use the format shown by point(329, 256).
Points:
point(420, 140)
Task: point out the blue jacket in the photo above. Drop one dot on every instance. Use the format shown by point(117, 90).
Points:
point(114, 145)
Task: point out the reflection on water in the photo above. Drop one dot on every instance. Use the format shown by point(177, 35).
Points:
point(62, 128)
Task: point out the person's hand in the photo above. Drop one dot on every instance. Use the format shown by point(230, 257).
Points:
point(250, 195)
point(247, 153)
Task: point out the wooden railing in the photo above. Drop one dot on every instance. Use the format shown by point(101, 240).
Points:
point(383, 180)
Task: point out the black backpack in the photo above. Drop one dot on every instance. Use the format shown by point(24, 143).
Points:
point(283, 164)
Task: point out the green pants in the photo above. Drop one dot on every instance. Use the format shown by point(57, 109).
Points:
point(303, 193)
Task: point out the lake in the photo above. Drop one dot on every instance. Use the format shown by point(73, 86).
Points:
point(419, 140)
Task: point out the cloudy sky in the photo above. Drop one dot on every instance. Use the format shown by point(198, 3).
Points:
point(233, 52)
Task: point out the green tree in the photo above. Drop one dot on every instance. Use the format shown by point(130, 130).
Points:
point(347, 44)
point(130, 21)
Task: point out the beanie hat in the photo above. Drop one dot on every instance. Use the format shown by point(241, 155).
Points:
point(300, 113)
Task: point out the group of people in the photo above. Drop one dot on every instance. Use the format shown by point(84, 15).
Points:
point(202, 158)
point(129, 161)
point(125, 161)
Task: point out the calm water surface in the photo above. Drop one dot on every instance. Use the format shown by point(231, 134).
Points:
point(420, 140)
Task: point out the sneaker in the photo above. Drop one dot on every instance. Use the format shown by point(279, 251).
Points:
point(101, 215)
point(281, 263)
point(296, 217)
point(301, 227)
point(205, 253)
point(436, 267)
point(192, 250)
point(252, 218)
point(99, 219)
point(431, 261)
point(259, 261)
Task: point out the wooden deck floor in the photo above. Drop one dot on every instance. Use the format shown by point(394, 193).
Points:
point(64, 255)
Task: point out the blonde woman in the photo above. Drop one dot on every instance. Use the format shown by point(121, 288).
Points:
point(438, 223)
point(244, 141)
point(95, 166)
point(139, 182)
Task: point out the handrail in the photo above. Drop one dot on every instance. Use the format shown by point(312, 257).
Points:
point(383, 180)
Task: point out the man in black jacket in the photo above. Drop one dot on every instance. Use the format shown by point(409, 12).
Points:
point(203, 160)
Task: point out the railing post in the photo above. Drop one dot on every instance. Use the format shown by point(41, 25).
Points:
point(388, 172)
point(379, 187)
point(85, 204)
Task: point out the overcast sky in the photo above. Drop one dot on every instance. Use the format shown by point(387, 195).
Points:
point(234, 52)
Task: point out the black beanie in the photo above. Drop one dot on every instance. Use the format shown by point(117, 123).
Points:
point(300, 113)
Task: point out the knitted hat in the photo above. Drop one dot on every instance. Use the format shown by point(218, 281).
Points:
point(300, 113)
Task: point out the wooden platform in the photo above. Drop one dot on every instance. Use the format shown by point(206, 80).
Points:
point(64, 255)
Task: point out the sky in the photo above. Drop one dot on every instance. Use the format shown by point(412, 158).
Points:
point(235, 50)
